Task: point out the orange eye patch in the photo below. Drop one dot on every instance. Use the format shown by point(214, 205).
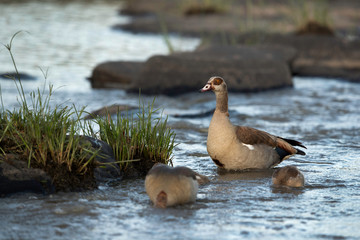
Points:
point(218, 81)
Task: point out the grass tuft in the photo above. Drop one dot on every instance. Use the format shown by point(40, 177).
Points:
point(136, 139)
point(49, 137)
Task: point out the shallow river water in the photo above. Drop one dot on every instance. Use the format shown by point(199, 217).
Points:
point(324, 114)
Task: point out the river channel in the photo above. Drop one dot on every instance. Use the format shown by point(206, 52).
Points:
point(72, 37)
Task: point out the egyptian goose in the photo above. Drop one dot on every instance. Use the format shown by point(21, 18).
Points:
point(288, 176)
point(238, 147)
point(169, 186)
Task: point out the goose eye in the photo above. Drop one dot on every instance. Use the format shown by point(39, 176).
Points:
point(218, 81)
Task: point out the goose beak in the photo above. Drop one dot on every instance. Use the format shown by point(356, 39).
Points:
point(206, 88)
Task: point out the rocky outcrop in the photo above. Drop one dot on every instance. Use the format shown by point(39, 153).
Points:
point(327, 57)
point(321, 56)
point(245, 68)
point(269, 63)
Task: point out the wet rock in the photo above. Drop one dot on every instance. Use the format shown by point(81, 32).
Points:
point(327, 57)
point(15, 176)
point(108, 169)
point(246, 69)
point(269, 64)
point(114, 74)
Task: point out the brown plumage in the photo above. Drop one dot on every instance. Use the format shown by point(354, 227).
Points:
point(169, 186)
point(239, 147)
point(288, 176)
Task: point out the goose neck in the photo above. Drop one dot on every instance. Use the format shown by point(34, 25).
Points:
point(222, 101)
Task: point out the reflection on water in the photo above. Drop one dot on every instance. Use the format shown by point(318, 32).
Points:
point(244, 175)
point(324, 114)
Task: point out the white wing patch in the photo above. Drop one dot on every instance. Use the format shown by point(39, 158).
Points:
point(250, 147)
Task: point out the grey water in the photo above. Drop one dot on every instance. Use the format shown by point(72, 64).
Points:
point(72, 37)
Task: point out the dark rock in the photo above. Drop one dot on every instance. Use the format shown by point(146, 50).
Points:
point(108, 169)
point(321, 56)
point(114, 74)
point(327, 57)
point(15, 176)
point(14, 75)
point(246, 69)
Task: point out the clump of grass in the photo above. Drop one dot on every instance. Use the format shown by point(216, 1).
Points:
point(46, 138)
point(312, 17)
point(138, 140)
point(200, 7)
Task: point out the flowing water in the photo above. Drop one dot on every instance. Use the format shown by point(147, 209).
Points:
point(322, 113)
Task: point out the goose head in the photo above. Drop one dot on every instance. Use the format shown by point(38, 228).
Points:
point(288, 176)
point(215, 84)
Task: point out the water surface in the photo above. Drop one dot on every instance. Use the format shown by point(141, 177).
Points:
point(324, 114)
